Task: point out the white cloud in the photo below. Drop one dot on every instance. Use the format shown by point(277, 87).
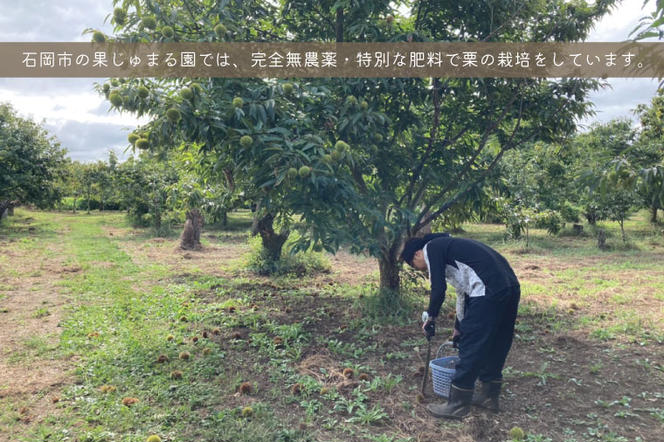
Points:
point(625, 93)
point(619, 23)
point(57, 109)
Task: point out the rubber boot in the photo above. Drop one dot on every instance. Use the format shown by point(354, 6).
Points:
point(488, 394)
point(456, 407)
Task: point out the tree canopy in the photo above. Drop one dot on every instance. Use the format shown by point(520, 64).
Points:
point(31, 162)
point(367, 162)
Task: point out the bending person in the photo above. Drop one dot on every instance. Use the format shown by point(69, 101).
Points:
point(488, 292)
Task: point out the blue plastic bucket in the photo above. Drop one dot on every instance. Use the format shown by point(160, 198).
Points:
point(442, 371)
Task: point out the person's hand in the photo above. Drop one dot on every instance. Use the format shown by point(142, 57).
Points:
point(429, 328)
point(456, 337)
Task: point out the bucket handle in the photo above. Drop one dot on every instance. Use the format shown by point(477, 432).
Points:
point(445, 348)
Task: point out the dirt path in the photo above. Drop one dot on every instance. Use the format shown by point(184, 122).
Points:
point(32, 371)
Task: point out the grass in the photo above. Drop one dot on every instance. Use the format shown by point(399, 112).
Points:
point(291, 338)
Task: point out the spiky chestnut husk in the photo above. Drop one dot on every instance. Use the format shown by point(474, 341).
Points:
point(129, 401)
point(196, 88)
point(162, 358)
point(142, 143)
point(220, 30)
point(245, 388)
point(170, 337)
point(296, 389)
point(206, 351)
point(176, 374)
point(116, 99)
point(288, 88)
point(246, 141)
point(363, 377)
point(238, 102)
point(107, 388)
point(119, 16)
point(304, 171)
point(106, 88)
point(341, 146)
point(292, 172)
point(153, 438)
point(143, 92)
point(173, 115)
point(167, 32)
point(364, 105)
point(184, 355)
point(517, 433)
point(348, 373)
point(247, 412)
point(98, 37)
point(149, 22)
point(186, 93)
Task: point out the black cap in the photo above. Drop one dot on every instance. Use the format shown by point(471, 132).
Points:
point(415, 244)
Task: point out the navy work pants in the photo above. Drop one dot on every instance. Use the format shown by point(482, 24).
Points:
point(486, 330)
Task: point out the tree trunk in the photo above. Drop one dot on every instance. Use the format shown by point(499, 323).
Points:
point(156, 214)
point(622, 229)
point(157, 221)
point(653, 214)
point(4, 206)
point(191, 235)
point(601, 239)
point(339, 26)
point(273, 242)
point(10, 210)
point(389, 273)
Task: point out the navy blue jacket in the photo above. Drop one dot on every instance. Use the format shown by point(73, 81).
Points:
point(473, 268)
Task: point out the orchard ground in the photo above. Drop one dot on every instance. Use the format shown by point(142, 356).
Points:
point(96, 314)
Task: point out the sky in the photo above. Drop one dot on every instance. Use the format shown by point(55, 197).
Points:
point(81, 119)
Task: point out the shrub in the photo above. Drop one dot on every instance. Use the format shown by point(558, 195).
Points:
point(549, 220)
point(387, 306)
point(298, 264)
point(570, 213)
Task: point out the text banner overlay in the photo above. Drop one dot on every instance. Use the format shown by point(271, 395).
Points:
point(313, 59)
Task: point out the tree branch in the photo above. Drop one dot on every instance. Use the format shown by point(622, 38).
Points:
point(423, 220)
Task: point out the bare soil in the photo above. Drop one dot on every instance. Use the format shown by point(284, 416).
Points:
point(559, 383)
point(32, 374)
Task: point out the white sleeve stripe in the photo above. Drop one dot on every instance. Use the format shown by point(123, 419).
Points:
point(426, 259)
